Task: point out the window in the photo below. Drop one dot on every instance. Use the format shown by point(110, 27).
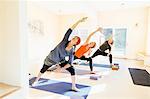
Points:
point(120, 40)
point(107, 33)
point(119, 36)
point(83, 33)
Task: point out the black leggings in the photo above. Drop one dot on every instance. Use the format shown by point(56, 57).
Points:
point(88, 59)
point(70, 69)
point(98, 52)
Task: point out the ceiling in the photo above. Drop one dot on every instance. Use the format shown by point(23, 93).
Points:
point(77, 6)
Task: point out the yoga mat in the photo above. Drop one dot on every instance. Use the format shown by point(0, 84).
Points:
point(79, 71)
point(96, 65)
point(140, 76)
point(63, 88)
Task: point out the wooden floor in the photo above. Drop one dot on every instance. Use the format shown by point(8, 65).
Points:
point(7, 89)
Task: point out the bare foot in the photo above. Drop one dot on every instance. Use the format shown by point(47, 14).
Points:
point(92, 72)
point(75, 89)
point(34, 83)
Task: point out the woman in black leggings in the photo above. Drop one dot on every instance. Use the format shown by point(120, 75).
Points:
point(101, 51)
point(86, 48)
point(58, 55)
point(88, 60)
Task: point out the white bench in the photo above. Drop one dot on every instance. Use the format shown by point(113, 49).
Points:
point(144, 57)
point(147, 60)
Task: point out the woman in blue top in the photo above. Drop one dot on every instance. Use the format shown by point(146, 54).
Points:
point(64, 49)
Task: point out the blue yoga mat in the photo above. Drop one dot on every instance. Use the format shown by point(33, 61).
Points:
point(97, 65)
point(63, 88)
point(140, 76)
point(79, 71)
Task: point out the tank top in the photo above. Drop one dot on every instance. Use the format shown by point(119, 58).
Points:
point(81, 51)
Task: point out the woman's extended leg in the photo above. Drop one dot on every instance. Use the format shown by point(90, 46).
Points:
point(42, 71)
point(72, 72)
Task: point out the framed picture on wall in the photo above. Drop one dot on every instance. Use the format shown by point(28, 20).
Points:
point(36, 27)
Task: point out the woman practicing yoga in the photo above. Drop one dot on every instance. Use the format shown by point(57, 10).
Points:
point(64, 49)
point(105, 46)
point(86, 49)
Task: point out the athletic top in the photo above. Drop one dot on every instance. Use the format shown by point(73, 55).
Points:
point(105, 46)
point(82, 50)
point(59, 53)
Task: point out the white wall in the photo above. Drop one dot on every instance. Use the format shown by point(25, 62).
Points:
point(148, 34)
point(1, 38)
point(68, 20)
point(41, 44)
point(11, 51)
point(13, 61)
point(136, 35)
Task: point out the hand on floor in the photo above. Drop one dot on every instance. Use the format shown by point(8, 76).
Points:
point(58, 69)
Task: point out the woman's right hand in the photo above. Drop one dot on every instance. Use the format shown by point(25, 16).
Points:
point(100, 29)
point(83, 19)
